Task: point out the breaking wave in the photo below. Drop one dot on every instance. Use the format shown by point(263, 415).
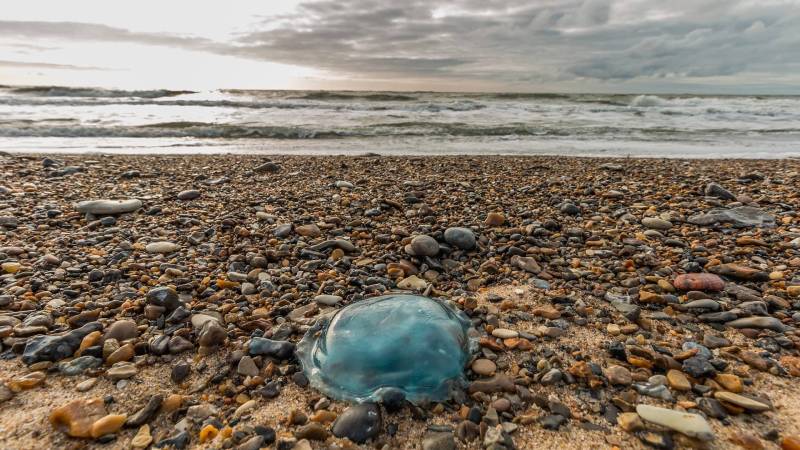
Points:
point(188, 129)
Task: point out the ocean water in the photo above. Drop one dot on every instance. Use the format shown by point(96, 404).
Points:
point(61, 119)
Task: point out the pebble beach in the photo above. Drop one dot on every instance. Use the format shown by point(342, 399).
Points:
point(156, 301)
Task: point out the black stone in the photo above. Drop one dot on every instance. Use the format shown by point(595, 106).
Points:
point(359, 423)
point(56, 348)
point(164, 296)
point(179, 441)
point(698, 367)
point(147, 412)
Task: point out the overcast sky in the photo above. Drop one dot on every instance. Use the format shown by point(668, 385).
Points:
point(713, 46)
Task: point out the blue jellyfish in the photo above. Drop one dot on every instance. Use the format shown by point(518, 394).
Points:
point(409, 344)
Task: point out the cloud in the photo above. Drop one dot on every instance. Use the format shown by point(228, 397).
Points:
point(78, 31)
point(41, 65)
point(510, 43)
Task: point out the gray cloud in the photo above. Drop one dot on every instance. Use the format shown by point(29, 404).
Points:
point(510, 43)
point(79, 31)
point(41, 65)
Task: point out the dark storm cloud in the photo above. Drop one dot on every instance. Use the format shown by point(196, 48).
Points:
point(511, 42)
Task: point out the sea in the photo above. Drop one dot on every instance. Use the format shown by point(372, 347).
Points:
point(54, 119)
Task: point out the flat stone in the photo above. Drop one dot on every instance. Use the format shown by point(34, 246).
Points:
point(275, 349)
point(342, 244)
point(189, 194)
point(498, 383)
point(121, 371)
point(655, 223)
point(742, 401)
point(715, 190)
point(108, 207)
point(413, 283)
point(740, 272)
point(526, 263)
point(692, 425)
point(769, 323)
point(56, 347)
point(699, 282)
point(618, 375)
point(678, 381)
point(741, 216)
point(327, 300)
point(163, 247)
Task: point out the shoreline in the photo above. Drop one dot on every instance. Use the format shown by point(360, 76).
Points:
point(578, 260)
point(247, 154)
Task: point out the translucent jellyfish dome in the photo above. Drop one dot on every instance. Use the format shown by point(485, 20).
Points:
point(410, 344)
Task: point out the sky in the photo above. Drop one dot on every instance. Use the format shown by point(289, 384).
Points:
point(657, 46)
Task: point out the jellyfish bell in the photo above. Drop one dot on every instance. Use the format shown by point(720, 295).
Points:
point(389, 348)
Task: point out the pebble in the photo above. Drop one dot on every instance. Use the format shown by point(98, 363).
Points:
point(121, 371)
point(275, 349)
point(359, 423)
point(494, 219)
point(78, 416)
point(107, 425)
point(692, 425)
point(460, 237)
point(699, 282)
point(189, 194)
point(618, 375)
point(769, 323)
point(656, 223)
point(108, 207)
point(484, 367)
point(247, 367)
point(328, 300)
point(503, 333)
point(413, 283)
point(162, 247)
point(740, 400)
point(678, 381)
point(424, 245)
point(143, 438)
point(438, 441)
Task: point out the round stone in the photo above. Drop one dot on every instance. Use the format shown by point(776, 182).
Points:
point(121, 330)
point(484, 367)
point(424, 245)
point(460, 237)
point(359, 423)
point(410, 344)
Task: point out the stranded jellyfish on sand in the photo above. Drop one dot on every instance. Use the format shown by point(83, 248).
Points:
point(385, 346)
